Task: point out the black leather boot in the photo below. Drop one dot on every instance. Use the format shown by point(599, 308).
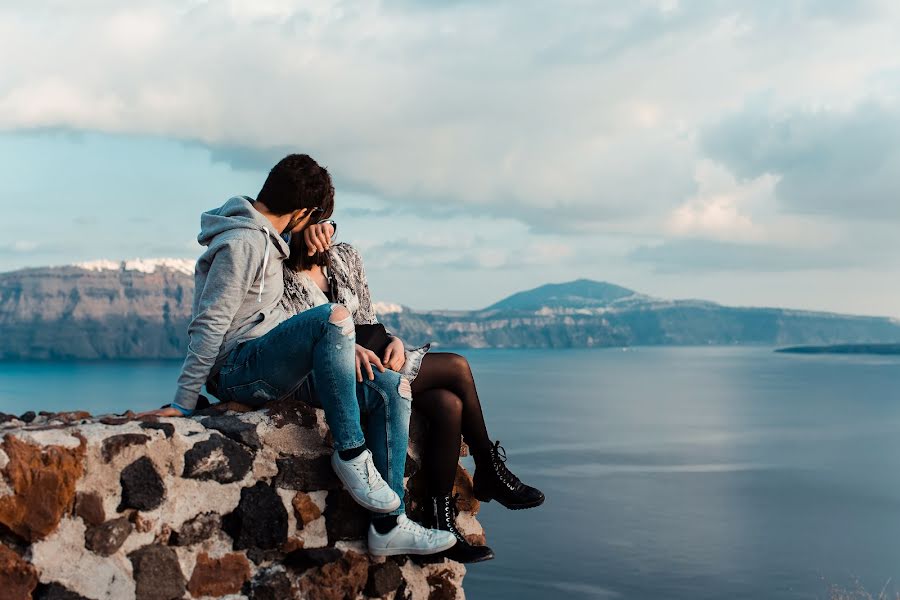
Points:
point(493, 481)
point(443, 517)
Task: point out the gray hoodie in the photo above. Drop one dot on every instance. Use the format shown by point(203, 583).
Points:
point(238, 285)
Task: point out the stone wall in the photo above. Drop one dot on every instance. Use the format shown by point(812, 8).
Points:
point(229, 503)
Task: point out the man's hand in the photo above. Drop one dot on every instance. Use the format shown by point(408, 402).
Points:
point(162, 412)
point(365, 358)
point(395, 355)
point(318, 237)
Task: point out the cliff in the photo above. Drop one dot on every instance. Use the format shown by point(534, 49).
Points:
point(140, 310)
point(224, 504)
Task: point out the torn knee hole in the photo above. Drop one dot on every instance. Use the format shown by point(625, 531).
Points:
point(404, 388)
point(340, 317)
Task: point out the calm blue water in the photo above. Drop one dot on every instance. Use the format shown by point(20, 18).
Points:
point(670, 473)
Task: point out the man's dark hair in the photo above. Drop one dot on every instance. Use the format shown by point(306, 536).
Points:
point(299, 259)
point(296, 182)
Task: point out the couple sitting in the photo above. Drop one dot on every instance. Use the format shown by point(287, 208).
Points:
point(275, 302)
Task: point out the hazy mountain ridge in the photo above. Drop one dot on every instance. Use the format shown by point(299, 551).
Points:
point(140, 310)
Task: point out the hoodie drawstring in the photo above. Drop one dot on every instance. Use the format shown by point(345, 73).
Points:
point(262, 286)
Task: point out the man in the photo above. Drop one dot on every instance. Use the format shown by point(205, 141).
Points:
point(244, 343)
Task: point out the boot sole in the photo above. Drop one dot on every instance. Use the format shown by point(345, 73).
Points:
point(473, 561)
point(522, 506)
point(418, 551)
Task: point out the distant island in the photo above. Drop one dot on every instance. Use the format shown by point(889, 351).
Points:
point(876, 349)
point(139, 310)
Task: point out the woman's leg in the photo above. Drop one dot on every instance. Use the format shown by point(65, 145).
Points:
point(443, 410)
point(386, 399)
point(451, 372)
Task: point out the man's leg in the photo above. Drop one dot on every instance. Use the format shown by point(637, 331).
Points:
point(273, 366)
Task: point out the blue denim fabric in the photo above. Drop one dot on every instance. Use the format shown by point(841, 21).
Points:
point(387, 434)
point(275, 365)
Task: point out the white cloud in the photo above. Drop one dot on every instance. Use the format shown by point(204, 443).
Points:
point(583, 111)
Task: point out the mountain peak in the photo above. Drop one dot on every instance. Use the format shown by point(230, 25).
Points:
point(581, 293)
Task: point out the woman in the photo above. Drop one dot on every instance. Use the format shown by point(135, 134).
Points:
point(443, 390)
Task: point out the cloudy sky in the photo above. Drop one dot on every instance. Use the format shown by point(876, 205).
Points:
point(743, 152)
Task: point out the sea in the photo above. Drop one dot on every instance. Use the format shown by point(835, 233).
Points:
point(670, 473)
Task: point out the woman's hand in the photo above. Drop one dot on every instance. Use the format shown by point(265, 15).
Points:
point(366, 358)
point(395, 355)
point(318, 237)
point(162, 412)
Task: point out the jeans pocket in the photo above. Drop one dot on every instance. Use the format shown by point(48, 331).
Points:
point(255, 393)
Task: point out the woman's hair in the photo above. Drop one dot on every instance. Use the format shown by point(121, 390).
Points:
point(300, 260)
point(296, 182)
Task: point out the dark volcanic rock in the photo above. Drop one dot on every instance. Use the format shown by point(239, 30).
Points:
point(105, 539)
point(166, 428)
point(304, 559)
point(259, 521)
point(55, 591)
point(344, 518)
point(142, 487)
point(384, 578)
point(196, 530)
point(289, 410)
point(269, 584)
point(28, 417)
point(304, 474)
point(218, 459)
point(234, 428)
point(89, 506)
point(157, 573)
point(113, 445)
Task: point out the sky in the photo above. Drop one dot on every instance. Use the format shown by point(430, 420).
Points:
point(742, 152)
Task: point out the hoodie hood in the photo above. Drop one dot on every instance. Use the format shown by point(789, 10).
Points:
point(238, 213)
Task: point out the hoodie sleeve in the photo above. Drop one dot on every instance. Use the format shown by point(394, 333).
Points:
point(232, 271)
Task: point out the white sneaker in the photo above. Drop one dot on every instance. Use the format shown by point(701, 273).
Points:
point(365, 483)
point(408, 537)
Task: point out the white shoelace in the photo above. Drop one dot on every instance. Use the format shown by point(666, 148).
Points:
point(367, 470)
point(416, 529)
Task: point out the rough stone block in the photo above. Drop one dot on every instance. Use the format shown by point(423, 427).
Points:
point(43, 480)
point(17, 577)
point(142, 487)
point(219, 459)
point(259, 521)
point(235, 429)
point(157, 573)
point(112, 446)
point(107, 538)
point(219, 576)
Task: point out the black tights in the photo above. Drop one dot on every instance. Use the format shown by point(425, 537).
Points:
point(444, 391)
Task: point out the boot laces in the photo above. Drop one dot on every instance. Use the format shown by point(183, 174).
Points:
point(505, 475)
point(449, 510)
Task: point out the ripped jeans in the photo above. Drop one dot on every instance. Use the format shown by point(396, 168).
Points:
point(387, 400)
point(276, 365)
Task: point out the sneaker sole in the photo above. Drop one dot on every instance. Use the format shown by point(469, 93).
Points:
point(362, 501)
point(419, 551)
